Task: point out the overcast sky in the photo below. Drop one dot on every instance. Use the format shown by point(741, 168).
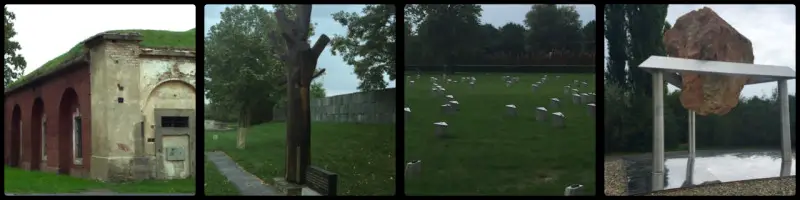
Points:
point(339, 77)
point(771, 29)
point(47, 31)
point(499, 15)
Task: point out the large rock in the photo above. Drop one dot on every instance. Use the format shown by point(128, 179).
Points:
point(703, 35)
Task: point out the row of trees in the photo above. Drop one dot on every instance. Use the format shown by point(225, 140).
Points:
point(452, 34)
point(634, 33)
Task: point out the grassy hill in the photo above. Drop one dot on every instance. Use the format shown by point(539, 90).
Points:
point(151, 38)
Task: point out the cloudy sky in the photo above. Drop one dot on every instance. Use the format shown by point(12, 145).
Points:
point(499, 15)
point(771, 29)
point(47, 31)
point(339, 77)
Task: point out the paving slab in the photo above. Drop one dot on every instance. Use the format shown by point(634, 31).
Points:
point(247, 183)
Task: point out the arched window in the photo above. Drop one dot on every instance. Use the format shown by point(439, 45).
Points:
point(77, 138)
point(44, 137)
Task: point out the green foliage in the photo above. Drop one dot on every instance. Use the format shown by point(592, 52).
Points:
point(13, 63)
point(453, 35)
point(241, 69)
point(369, 45)
point(553, 27)
point(645, 23)
point(754, 123)
point(150, 39)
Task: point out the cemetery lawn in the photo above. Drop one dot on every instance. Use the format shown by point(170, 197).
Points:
point(489, 153)
point(361, 154)
point(19, 181)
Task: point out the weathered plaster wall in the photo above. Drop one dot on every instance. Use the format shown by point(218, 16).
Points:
point(128, 82)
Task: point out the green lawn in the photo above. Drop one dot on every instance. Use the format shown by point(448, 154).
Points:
point(216, 184)
point(19, 181)
point(361, 154)
point(150, 38)
point(491, 154)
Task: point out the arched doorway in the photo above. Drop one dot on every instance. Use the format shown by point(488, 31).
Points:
point(16, 136)
point(170, 95)
point(37, 135)
point(68, 117)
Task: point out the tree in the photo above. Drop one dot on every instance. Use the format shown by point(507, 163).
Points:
point(615, 33)
point(241, 74)
point(553, 27)
point(13, 64)
point(301, 63)
point(646, 30)
point(588, 33)
point(369, 45)
point(449, 32)
point(511, 39)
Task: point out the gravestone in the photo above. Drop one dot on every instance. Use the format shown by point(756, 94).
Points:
point(411, 82)
point(413, 168)
point(584, 98)
point(541, 114)
point(573, 190)
point(554, 103)
point(471, 85)
point(449, 97)
point(576, 98)
point(441, 129)
point(446, 109)
point(558, 120)
point(407, 112)
point(511, 110)
point(557, 77)
point(508, 83)
point(534, 87)
point(591, 109)
point(566, 89)
point(453, 105)
point(575, 91)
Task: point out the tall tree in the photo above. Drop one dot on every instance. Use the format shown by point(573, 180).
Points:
point(646, 30)
point(616, 34)
point(511, 38)
point(588, 34)
point(369, 45)
point(553, 27)
point(13, 63)
point(449, 31)
point(241, 73)
point(301, 63)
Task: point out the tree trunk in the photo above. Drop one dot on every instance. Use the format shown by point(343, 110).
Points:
point(244, 123)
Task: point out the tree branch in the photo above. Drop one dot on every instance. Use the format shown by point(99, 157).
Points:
point(320, 45)
point(303, 20)
point(318, 74)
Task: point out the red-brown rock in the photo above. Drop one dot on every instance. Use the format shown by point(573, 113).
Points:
point(703, 35)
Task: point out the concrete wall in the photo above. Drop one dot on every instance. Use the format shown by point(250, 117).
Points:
point(373, 107)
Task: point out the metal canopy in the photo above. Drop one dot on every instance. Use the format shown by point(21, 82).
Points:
point(666, 69)
point(757, 73)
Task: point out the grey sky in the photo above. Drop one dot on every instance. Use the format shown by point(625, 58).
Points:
point(47, 31)
point(771, 29)
point(499, 15)
point(339, 77)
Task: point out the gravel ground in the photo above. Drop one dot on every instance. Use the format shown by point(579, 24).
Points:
point(615, 183)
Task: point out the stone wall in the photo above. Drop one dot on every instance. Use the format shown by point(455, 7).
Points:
point(375, 107)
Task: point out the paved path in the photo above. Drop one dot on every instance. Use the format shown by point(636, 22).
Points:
point(247, 183)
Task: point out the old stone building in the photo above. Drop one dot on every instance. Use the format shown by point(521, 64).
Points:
point(114, 111)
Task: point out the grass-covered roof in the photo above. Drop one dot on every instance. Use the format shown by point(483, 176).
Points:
point(150, 39)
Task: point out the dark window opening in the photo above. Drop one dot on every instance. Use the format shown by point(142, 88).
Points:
point(78, 138)
point(177, 122)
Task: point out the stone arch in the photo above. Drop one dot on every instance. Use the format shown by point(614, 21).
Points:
point(37, 136)
point(165, 95)
point(15, 137)
point(67, 110)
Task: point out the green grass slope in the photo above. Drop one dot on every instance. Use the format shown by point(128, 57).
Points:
point(19, 181)
point(489, 153)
